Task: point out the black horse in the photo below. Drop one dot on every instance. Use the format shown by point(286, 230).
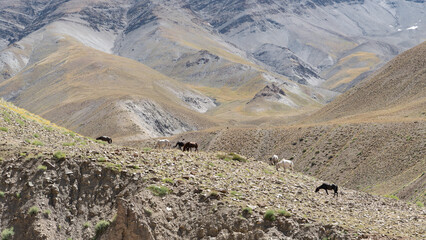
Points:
point(105, 138)
point(189, 145)
point(179, 145)
point(326, 187)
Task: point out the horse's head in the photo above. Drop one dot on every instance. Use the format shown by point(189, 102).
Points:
point(316, 190)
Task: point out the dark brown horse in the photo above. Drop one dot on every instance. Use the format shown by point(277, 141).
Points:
point(179, 145)
point(105, 138)
point(326, 187)
point(190, 145)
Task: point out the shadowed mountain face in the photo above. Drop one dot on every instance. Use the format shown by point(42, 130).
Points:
point(222, 53)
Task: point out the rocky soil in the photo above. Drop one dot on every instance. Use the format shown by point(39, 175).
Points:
point(100, 191)
point(385, 158)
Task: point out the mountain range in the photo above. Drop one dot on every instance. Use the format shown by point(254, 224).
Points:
point(206, 60)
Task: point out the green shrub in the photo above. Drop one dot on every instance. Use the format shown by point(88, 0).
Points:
point(247, 211)
point(101, 142)
point(101, 159)
point(2, 194)
point(7, 234)
point(168, 180)
point(42, 167)
point(59, 155)
point(68, 144)
point(392, 196)
point(237, 157)
point(49, 129)
point(159, 191)
point(4, 129)
point(20, 122)
point(235, 194)
point(148, 212)
point(420, 204)
point(37, 143)
point(36, 135)
point(101, 227)
point(147, 149)
point(86, 225)
point(47, 212)
point(284, 213)
point(269, 215)
point(33, 211)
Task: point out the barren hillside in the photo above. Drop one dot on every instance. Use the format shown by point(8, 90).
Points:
point(56, 184)
point(395, 92)
point(95, 93)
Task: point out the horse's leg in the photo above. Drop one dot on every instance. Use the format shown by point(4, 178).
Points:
point(326, 191)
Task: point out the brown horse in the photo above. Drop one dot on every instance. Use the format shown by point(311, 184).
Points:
point(105, 138)
point(189, 145)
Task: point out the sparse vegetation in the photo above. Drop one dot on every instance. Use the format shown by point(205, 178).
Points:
point(270, 215)
point(148, 212)
point(284, 213)
point(420, 204)
point(7, 234)
point(168, 180)
point(214, 194)
point(237, 157)
point(68, 144)
point(59, 155)
point(2, 194)
point(159, 190)
point(247, 211)
point(101, 159)
point(34, 210)
point(101, 227)
point(41, 167)
point(46, 213)
point(101, 142)
point(147, 149)
point(20, 122)
point(86, 225)
point(37, 143)
point(4, 129)
point(36, 135)
point(392, 197)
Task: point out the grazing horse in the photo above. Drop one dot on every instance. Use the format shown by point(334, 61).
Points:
point(273, 160)
point(190, 145)
point(105, 138)
point(326, 187)
point(162, 143)
point(284, 164)
point(179, 145)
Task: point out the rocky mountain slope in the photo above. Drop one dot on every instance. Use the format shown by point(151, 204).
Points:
point(56, 184)
point(77, 86)
point(217, 76)
point(380, 158)
point(225, 52)
point(396, 91)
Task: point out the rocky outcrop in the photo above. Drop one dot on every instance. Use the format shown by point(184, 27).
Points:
point(283, 61)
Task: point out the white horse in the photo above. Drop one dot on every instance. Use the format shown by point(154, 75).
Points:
point(162, 143)
point(273, 160)
point(285, 164)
